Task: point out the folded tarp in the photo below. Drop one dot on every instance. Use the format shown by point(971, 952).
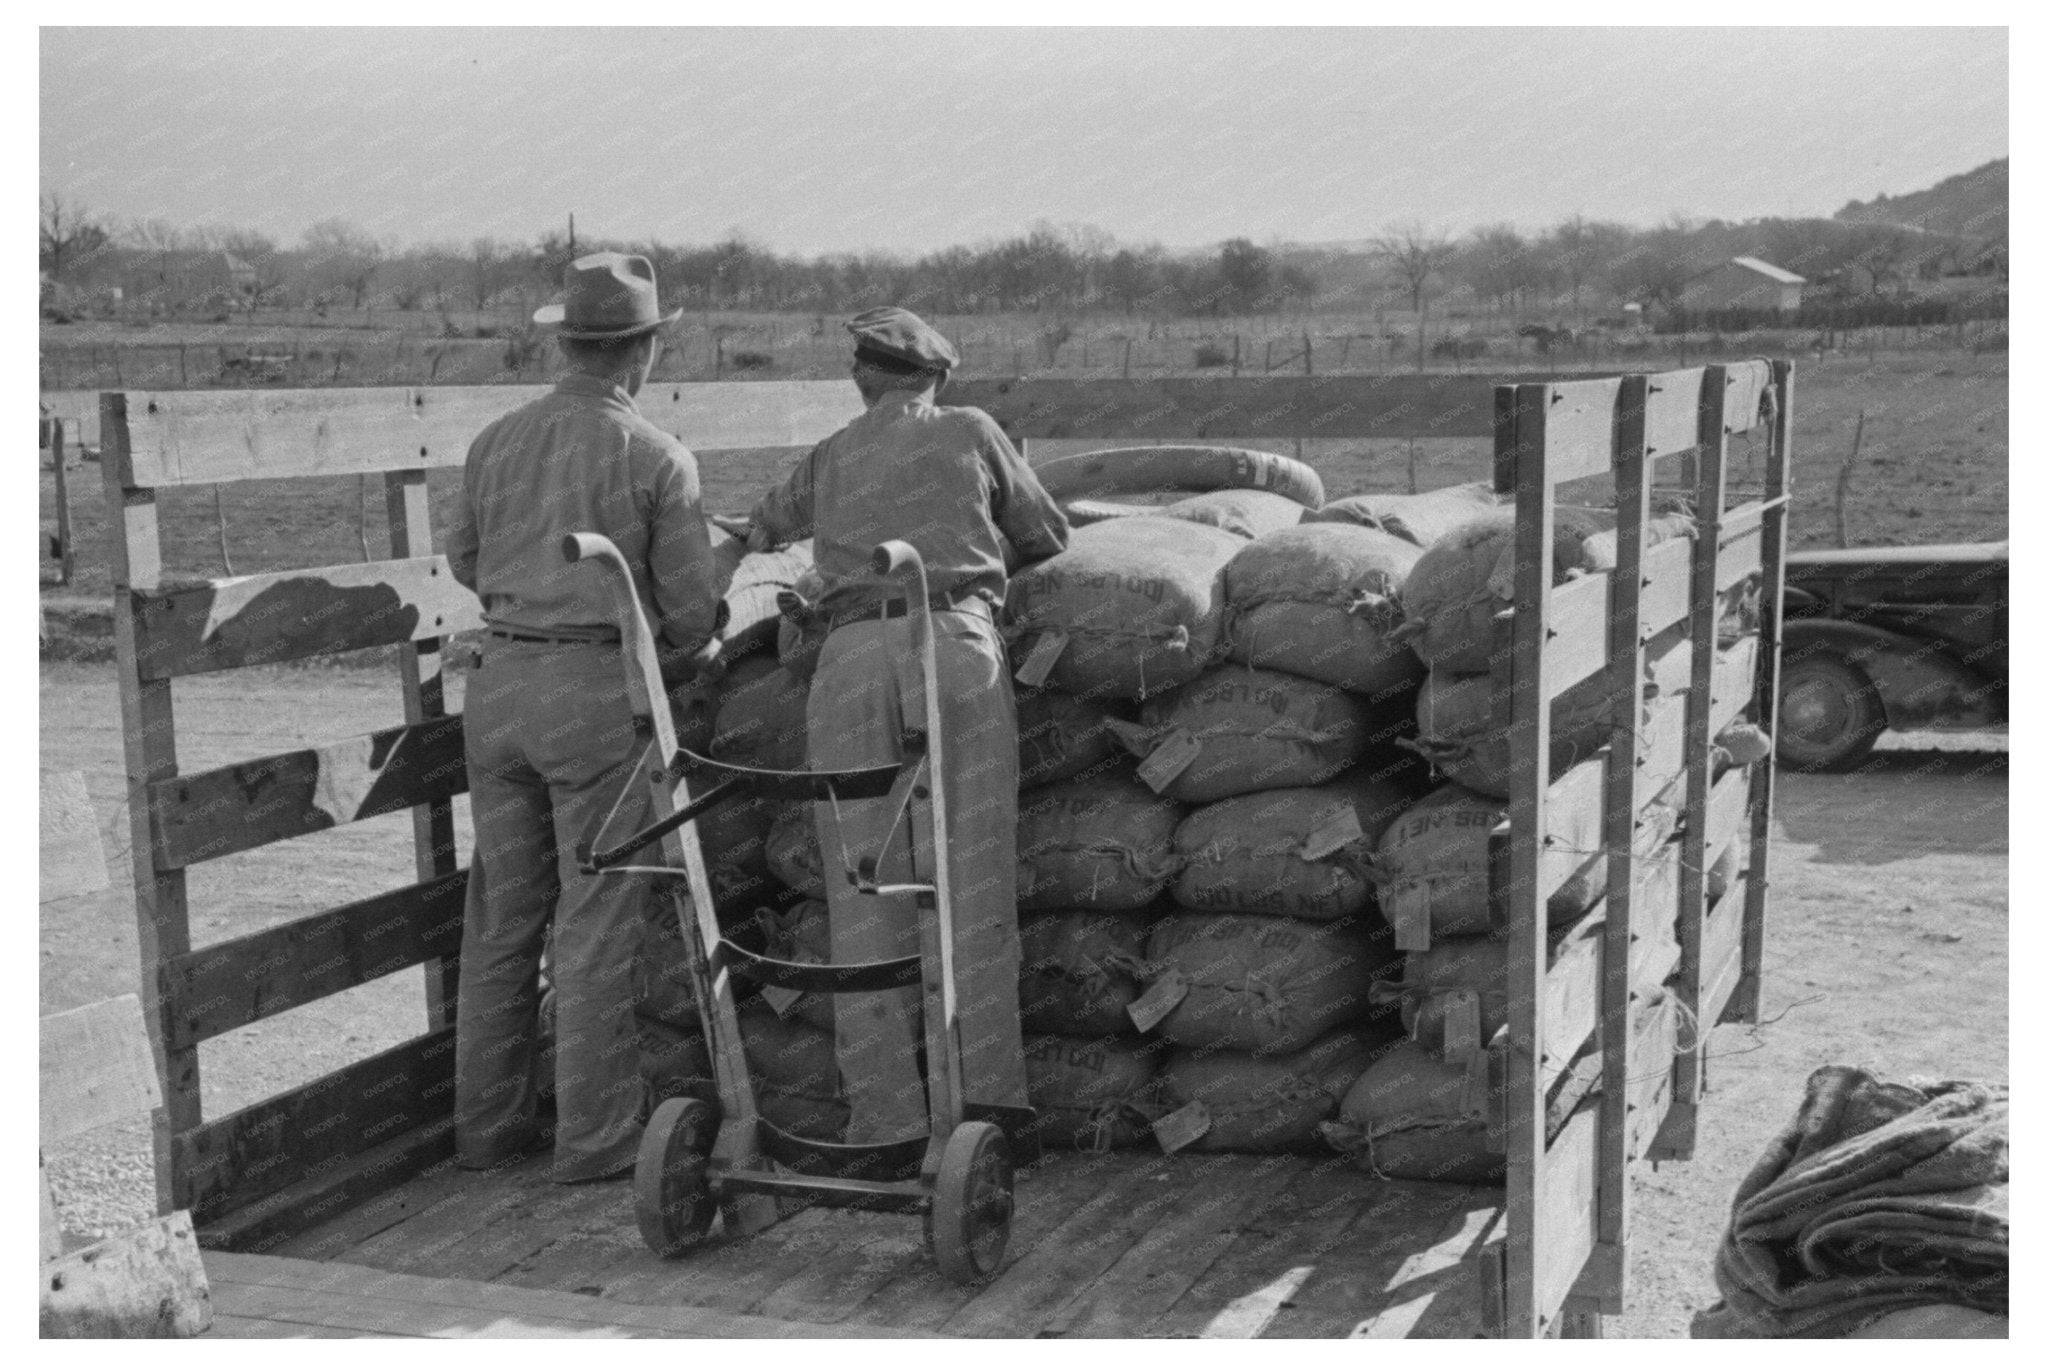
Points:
point(1881, 1196)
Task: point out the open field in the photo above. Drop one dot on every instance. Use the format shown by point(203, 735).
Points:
point(1886, 945)
point(301, 349)
point(1932, 469)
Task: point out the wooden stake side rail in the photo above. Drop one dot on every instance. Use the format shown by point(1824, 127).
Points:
point(1563, 1258)
point(227, 435)
point(281, 1165)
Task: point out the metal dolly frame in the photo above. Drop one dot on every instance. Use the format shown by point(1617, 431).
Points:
point(697, 1159)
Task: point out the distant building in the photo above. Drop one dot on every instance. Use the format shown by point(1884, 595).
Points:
point(1743, 282)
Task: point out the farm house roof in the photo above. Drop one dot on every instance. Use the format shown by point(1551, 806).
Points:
point(1767, 270)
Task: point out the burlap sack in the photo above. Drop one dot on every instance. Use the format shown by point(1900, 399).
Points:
point(1139, 602)
point(1060, 737)
point(1080, 972)
point(1322, 601)
point(1480, 963)
point(1271, 1103)
point(1464, 734)
point(1259, 983)
point(1245, 512)
point(791, 847)
point(1148, 469)
point(1421, 519)
point(662, 989)
point(761, 721)
point(801, 632)
point(675, 1063)
point(795, 1073)
point(753, 619)
point(1251, 854)
point(1412, 1116)
point(802, 933)
point(734, 836)
point(1101, 843)
point(1467, 577)
point(1257, 730)
point(1435, 864)
point(1091, 1094)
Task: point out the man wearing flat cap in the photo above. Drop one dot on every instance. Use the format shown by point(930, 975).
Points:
point(948, 481)
point(549, 734)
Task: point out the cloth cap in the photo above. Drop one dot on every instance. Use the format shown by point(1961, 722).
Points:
point(900, 333)
point(607, 295)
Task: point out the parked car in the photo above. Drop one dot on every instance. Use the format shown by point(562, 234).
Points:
point(1889, 638)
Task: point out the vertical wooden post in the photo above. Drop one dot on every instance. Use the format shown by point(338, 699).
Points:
point(1308, 355)
point(1746, 1002)
point(420, 677)
point(1619, 1089)
point(1236, 354)
point(162, 921)
point(182, 381)
point(1710, 496)
point(1528, 914)
point(66, 552)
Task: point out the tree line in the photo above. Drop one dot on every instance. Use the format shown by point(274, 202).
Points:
point(1574, 267)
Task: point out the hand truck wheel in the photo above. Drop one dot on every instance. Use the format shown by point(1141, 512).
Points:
point(967, 1224)
point(671, 1189)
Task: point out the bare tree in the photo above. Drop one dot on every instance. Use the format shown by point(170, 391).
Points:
point(1579, 249)
point(487, 262)
point(344, 255)
point(68, 233)
point(1417, 254)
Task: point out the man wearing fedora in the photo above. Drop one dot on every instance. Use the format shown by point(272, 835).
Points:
point(548, 732)
point(948, 481)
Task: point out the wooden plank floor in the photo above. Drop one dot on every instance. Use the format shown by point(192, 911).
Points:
point(1128, 1244)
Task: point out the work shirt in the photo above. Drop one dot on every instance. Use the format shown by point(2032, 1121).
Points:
point(945, 479)
point(584, 459)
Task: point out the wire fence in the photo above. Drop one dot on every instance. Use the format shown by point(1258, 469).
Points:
point(366, 357)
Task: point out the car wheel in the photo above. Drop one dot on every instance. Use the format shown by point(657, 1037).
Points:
point(1829, 714)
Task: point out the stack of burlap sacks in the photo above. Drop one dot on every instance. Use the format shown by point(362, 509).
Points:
point(1235, 713)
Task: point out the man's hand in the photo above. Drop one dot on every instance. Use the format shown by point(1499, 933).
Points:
point(755, 537)
point(705, 664)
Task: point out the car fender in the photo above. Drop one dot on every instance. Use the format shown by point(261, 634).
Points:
point(1917, 681)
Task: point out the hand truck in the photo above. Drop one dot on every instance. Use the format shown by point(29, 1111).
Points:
point(698, 1159)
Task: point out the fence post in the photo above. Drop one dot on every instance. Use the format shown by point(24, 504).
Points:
point(1308, 355)
point(1236, 353)
point(64, 555)
point(183, 382)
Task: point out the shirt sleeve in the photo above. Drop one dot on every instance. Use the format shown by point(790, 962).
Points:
point(680, 566)
point(462, 536)
point(1023, 511)
point(785, 511)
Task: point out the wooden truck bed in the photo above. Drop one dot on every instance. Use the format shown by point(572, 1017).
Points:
point(1122, 1244)
point(346, 1170)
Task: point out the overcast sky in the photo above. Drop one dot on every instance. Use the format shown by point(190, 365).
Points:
point(812, 140)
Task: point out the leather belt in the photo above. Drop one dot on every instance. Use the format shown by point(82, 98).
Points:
point(893, 608)
point(529, 638)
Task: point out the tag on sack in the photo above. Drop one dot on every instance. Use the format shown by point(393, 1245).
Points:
point(1172, 758)
point(1045, 652)
point(1158, 1001)
point(780, 999)
point(1332, 833)
point(1182, 1126)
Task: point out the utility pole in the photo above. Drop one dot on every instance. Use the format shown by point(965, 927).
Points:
point(572, 236)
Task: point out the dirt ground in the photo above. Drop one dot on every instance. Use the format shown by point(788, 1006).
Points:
point(1887, 944)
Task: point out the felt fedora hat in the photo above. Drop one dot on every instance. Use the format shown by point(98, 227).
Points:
point(606, 296)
